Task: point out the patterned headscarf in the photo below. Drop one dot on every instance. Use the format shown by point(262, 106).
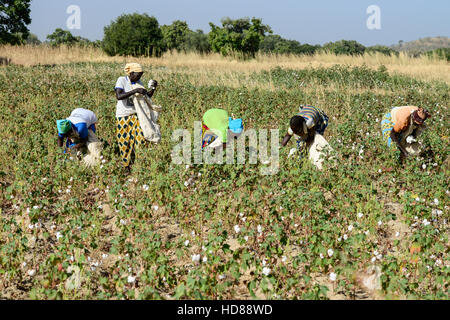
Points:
point(420, 115)
point(63, 126)
point(132, 67)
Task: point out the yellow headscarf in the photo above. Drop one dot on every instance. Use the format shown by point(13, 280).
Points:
point(132, 67)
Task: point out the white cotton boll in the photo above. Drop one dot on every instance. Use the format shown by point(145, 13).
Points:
point(193, 233)
point(350, 227)
point(424, 166)
point(186, 184)
point(246, 238)
point(205, 259)
point(360, 215)
point(283, 259)
point(259, 228)
point(380, 223)
point(31, 272)
point(195, 257)
point(425, 222)
point(373, 259)
point(145, 187)
point(436, 201)
point(330, 252)
point(155, 207)
point(291, 152)
point(266, 271)
point(321, 256)
point(221, 276)
point(131, 279)
point(333, 276)
point(104, 256)
point(397, 234)
point(345, 237)
point(186, 243)
point(123, 222)
point(410, 139)
point(58, 235)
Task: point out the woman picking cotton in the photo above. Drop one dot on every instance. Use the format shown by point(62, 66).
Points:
point(308, 127)
point(403, 125)
point(129, 131)
point(215, 128)
point(79, 130)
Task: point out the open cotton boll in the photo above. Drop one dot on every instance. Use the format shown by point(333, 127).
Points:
point(410, 139)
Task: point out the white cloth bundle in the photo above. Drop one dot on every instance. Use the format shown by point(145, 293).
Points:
point(95, 148)
point(317, 150)
point(147, 114)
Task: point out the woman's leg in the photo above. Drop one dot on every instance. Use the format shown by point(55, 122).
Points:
point(125, 139)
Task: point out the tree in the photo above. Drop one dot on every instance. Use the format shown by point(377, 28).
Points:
point(197, 42)
point(242, 36)
point(276, 44)
point(33, 39)
point(60, 36)
point(135, 35)
point(350, 47)
point(14, 18)
point(175, 35)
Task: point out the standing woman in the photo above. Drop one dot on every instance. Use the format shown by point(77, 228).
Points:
point(129, 132)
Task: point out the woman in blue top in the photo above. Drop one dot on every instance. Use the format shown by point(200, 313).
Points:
point(76, 128)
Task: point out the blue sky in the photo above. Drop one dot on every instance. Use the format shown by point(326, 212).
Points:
point(314, 22)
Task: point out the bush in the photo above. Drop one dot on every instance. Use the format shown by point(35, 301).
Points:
point(350, 47)
point(441, 53)
point(382, 49)
point(135, 35)
point(276, 44)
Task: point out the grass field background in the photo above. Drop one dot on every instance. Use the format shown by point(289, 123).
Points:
point(381, 228)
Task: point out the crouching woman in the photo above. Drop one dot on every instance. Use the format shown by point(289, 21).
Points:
point(403, 125)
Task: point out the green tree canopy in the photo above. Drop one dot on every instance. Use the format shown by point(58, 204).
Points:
point(241, 36)
point(350, 47)
point(175, 35)
point(277, 44)
point(197, 42)
point(133, 34)
point(60, 36)
point(33, 39)
point(14, 18)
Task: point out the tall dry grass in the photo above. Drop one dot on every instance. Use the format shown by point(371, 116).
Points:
point(423, 68)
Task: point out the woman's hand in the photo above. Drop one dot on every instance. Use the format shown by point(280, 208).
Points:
point(152, 84)
point(141, 91)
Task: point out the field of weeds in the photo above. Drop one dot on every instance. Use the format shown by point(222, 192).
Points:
point(366, 228)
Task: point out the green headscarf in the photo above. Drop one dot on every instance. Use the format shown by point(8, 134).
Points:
point(64, 126)
point(217, 121)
